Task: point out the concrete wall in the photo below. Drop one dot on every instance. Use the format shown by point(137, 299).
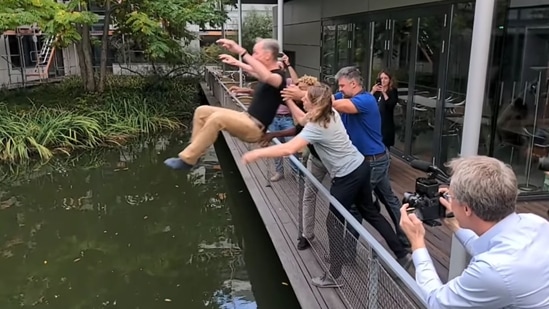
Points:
point(302, 34)
point(70, 60)
point(302, 25)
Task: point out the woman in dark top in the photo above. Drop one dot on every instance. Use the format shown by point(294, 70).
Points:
point(386, 93)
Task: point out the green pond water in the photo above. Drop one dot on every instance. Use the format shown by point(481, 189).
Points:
point(116, 229)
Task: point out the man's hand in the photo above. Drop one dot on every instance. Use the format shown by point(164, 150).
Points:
point(285, 60)
point(231, 46)
point(376, 88)
point(249, 157)
point(240, 90)
point(266, 139)
point(292, 92)
point(228, 59)
point(452, 223)
point(412, 227)
point(234, 89)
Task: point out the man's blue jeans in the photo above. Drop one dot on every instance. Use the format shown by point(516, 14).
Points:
point(381, 184)
point(281, 123)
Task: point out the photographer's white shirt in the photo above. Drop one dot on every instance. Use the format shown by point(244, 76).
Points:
point(509, 268)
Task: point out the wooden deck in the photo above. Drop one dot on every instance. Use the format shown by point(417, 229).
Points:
point(277, 206)
point(300, 266)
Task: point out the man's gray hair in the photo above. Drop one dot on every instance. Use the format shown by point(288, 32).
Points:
point(487, 185)
point(350, 73)
point(270, 45)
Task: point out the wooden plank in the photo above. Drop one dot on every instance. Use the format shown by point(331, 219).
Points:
point(333, 297)
point(282, 229)
point(304, 294)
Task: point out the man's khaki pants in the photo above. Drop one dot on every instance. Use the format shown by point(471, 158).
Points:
point(208, 121)
point(307, 209)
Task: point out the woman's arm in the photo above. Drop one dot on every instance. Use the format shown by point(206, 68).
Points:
point(297, 113)
point(391, 98)
point(293, 146)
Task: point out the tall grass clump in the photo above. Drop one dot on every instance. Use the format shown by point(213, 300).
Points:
point(40, 127)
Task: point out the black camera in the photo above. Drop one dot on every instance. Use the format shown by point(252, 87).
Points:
point(543, 164)
point(425, 202)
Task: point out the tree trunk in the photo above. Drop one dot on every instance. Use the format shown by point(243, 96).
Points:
point(104, 48)
point(80, 53)
point(87, 49)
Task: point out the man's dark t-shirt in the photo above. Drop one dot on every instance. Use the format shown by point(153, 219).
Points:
point(266, 100)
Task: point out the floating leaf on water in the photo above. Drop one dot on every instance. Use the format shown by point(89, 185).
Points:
point(167, 300)
point(8, 203)
point(76, 260)
point(145, 217)
point(284, 283)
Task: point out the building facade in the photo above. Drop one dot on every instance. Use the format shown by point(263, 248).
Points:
point(209, 34)
point(426, 46)
point(26, 58)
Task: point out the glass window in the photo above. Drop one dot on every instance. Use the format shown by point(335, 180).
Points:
point(343, 40)
point(521, 134)
point(456, 83)
point(328, 51)
point(513, 14)
point(534, 13)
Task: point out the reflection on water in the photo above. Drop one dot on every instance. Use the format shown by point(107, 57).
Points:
point(117, 229)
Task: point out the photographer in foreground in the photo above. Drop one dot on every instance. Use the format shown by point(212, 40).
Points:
point(510, 257)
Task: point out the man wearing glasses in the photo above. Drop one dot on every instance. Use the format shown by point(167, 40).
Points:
point(510, 261)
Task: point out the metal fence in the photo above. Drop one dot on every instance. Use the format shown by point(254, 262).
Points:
point(371, 279)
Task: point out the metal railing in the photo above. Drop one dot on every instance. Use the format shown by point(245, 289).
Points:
point(373, 279)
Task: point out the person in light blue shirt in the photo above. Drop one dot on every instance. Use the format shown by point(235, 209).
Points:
point(510, 252)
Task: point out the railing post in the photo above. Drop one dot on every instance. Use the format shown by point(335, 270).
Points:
point(373, 281)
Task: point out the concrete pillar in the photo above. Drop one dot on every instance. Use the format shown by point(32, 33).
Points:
point(472, 121)
point(280, 24)
point(240, 77)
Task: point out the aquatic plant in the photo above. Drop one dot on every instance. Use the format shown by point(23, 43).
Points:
point(41, 127)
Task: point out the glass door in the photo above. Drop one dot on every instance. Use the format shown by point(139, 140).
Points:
point(427, 99)
point(401, 59)
point(328, 51)
point(379, 49)
point(344, 33)
point(335, 50)
point(360, 51)
point(417, 53)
